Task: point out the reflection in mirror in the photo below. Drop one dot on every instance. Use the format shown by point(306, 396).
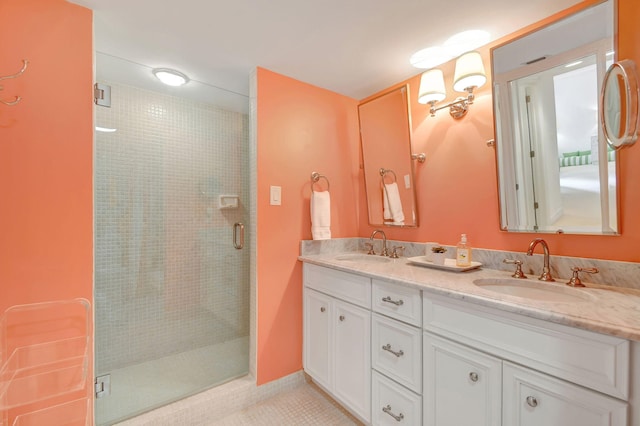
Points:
point(385, 136)
point(555, 170)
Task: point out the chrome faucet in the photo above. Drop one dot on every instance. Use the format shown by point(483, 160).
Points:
point(385, 252)
point(546, 271)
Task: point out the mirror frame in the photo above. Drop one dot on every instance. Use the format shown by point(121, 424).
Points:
point(500, 116)
point(374, 174)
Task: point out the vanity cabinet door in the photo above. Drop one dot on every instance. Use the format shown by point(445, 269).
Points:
point(533, 399)
point(317, 325)
point(462, 386)
point(352, 357)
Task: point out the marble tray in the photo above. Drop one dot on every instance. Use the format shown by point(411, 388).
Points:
point(449, 264)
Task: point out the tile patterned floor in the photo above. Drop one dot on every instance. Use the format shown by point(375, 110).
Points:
point(304, 405)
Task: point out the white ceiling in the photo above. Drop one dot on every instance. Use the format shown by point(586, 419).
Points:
point(352, 47)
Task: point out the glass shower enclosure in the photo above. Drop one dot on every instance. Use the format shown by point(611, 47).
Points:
point(171, 272)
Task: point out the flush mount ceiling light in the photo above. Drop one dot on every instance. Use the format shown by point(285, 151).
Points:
point(466, 41)
point(430, 57)
point(105, 129)
point(170, 77)
point(573, 64)
point(455, 45)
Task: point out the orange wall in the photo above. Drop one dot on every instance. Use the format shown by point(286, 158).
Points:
point(301, 129)
point(46, 218)
point(457, 190)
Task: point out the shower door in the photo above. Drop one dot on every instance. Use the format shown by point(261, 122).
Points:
point(171, 287)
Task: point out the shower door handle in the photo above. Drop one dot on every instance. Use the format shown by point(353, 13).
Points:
point(238, 241)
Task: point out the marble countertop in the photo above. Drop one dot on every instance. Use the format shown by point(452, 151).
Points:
point(609, 310)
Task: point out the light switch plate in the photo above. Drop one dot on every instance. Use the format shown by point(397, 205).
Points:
point(276, 196)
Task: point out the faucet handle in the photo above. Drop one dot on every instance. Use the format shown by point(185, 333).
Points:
point(369, 246)
point(394, 252)
point(575, 279)
point(518, 273)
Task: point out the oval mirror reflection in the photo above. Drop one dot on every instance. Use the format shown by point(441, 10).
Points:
point(619, 104)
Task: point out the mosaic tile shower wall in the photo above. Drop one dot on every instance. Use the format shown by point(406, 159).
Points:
point(168, 278)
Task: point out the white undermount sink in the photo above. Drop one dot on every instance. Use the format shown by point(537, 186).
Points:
point(534, 289)
point(364, 258)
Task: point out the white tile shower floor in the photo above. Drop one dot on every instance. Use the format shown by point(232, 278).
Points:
point(140, 387)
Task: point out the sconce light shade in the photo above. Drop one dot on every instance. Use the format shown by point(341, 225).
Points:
point(431, 87)
point(469, 72)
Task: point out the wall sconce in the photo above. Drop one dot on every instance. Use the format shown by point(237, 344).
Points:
point(468, 76)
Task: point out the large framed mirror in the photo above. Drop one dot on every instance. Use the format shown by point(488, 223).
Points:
point(556, 172)
point(385, 137)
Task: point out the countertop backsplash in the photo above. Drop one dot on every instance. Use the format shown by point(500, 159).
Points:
point(613, 273)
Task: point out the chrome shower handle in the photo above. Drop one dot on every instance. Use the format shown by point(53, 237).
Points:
point(238, 226)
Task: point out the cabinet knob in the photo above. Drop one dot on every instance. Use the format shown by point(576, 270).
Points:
point(341, 318)
point(323, 309)
point(532, 401)
point(473, 376)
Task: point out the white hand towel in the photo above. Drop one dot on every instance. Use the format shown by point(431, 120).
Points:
point(392, 204)
point(320, 215)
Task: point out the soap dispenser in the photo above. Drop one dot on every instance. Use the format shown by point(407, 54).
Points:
point(463, 252)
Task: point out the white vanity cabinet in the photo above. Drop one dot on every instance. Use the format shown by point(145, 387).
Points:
point(337, 335)
point(488, 367)
point(463, 386)
point(396, 354)
point(532, 398)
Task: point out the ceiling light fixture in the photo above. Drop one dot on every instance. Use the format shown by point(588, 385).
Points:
point(170, 77)
point(105, 129)
point(573, 64)
point(430, 57)
point(466, 41)
point(468, 76)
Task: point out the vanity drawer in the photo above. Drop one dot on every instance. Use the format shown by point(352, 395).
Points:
point(351, 288)
point(590, 359)
point(396, 351)
point(397, 301)
point(392, 404)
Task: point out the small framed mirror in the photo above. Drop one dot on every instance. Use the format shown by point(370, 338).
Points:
point(385, 139)
point(619, 104)
point(556, 172)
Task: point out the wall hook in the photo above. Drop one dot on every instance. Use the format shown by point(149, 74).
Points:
point(17, 99)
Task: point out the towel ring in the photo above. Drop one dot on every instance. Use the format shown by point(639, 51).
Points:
point(315, 177)
point(383, 173)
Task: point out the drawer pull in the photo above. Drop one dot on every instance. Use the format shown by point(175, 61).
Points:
point(387, 410)
point(532, 401)
point(341, 318)
point(395, 302)
point(473, 376)
point(387, 348)
point(323, 309)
